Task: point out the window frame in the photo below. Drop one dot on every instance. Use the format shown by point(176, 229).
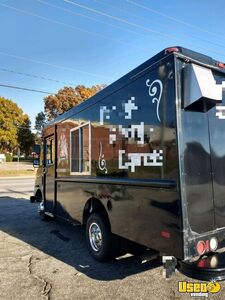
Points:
point(89, 148)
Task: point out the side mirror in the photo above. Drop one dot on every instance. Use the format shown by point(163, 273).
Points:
point(37, 149)
point(36, 163)
point(36, 155)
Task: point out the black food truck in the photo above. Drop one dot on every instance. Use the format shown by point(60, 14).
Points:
point(144, 160)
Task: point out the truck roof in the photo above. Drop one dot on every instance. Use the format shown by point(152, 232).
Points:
point(179, 51)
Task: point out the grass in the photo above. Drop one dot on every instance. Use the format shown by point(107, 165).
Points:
point(16, 173)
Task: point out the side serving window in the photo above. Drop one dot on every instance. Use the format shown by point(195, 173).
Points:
point(80, 141)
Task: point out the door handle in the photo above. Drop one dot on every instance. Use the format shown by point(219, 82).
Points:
point(45, 170)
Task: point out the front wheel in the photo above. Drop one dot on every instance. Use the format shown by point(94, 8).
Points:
point(102, 244)
point(41, 212)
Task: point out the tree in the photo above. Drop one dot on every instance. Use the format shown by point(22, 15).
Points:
point(26, 138)
point(11, 118)
point(10, 115)
point(40, 121)
point(68, 97)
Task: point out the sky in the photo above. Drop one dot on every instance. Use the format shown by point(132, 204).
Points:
point(48, 44)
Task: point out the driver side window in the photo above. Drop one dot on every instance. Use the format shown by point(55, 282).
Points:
point(50, 150)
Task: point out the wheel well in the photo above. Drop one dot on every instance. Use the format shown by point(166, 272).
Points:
point(94, 205)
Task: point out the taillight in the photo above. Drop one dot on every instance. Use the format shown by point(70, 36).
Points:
point(213, 243)
point(201, 247)
point(207, 246)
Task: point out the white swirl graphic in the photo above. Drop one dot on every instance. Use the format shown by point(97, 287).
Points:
point(155, 87)
point(101, 160)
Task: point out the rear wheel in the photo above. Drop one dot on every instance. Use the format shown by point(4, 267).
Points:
point(102, 244)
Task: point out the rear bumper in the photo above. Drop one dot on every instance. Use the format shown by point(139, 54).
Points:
point(207, 268)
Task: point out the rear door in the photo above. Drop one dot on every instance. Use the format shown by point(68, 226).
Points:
point(216, 118)
point(196, 174)
point(202, 148)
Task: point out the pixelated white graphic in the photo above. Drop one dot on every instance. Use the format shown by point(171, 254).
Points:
point(130, 132)
point(112, 138)
point(105, 113)
point(153, 159)
point(135, 131)
point(101, 160)
point(155, 87)
point(221, 85)
point(112, 135)
point(129, 106)
point(220, 112)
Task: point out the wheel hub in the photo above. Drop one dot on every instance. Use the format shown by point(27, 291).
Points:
point(95, 237)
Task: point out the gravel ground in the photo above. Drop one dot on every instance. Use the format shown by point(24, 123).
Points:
point(49, 260)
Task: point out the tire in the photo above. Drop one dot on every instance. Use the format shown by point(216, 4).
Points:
point(37, 197)
point(32, 199)
point(102, 244)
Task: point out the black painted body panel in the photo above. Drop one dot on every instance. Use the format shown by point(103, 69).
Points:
point(138, 213)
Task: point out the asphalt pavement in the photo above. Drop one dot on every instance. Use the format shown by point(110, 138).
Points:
point(16, 187)
point(49, 260)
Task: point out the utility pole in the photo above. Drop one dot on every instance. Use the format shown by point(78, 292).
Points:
point(18, 157)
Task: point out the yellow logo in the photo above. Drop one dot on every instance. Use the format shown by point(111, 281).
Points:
point(213, 287)
point(198, 288)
